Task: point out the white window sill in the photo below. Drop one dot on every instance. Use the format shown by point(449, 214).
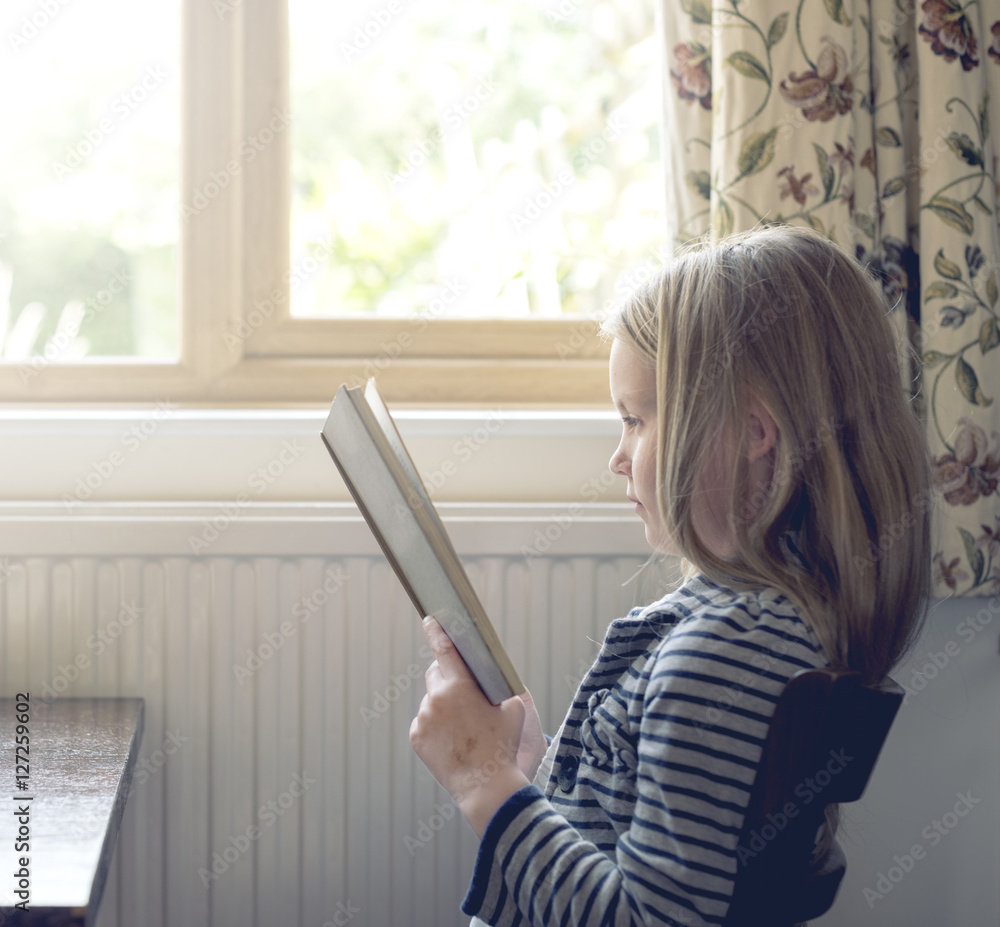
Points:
point(165, 454)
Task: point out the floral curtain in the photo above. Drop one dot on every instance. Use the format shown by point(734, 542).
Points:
point(874, 122)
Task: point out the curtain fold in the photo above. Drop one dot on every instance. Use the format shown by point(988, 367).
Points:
point(874, 122)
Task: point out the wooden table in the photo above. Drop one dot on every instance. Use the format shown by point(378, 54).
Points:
point(82, 754)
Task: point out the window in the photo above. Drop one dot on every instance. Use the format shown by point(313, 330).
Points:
point(445, 196)
point(88, 247)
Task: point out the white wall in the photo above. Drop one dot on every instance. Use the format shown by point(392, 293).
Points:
point(943, 743)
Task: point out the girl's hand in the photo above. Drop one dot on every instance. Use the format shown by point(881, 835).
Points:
point(469, 745)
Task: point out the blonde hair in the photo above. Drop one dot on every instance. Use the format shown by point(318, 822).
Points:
point(842, 528)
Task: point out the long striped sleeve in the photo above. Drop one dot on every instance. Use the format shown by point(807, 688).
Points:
point(635, 814)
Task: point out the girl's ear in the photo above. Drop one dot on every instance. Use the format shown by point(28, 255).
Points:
point(762, 430)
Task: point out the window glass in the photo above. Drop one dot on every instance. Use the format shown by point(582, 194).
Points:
point(90, 164)
point(488, 158)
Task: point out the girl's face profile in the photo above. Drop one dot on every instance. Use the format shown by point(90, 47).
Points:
point(633, 391)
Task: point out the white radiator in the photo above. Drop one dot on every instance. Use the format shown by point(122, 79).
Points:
point(281, 666)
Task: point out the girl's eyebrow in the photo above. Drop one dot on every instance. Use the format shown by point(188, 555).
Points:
point(638, 399)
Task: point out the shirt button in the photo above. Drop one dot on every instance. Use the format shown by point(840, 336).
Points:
point(567, 772)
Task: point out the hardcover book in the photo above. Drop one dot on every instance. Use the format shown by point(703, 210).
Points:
point(369, 453)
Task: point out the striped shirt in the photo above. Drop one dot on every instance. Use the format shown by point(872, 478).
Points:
point(636, 811)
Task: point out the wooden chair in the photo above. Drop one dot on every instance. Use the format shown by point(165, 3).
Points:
point(822, 745)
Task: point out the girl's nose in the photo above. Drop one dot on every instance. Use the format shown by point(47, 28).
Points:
point(617, 464)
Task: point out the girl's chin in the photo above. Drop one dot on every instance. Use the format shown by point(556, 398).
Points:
point(659, 543)
point(654, 536)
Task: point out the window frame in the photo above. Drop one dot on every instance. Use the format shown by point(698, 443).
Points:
point(234, 259)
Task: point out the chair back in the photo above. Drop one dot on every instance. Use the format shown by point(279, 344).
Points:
point(822, 745)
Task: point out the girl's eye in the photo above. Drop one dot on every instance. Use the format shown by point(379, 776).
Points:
point(630, 421)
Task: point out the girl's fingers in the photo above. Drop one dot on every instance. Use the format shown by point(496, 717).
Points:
point(433, 675)
point(449, 660)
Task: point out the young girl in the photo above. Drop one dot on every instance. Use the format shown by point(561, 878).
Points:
point(768, 441)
